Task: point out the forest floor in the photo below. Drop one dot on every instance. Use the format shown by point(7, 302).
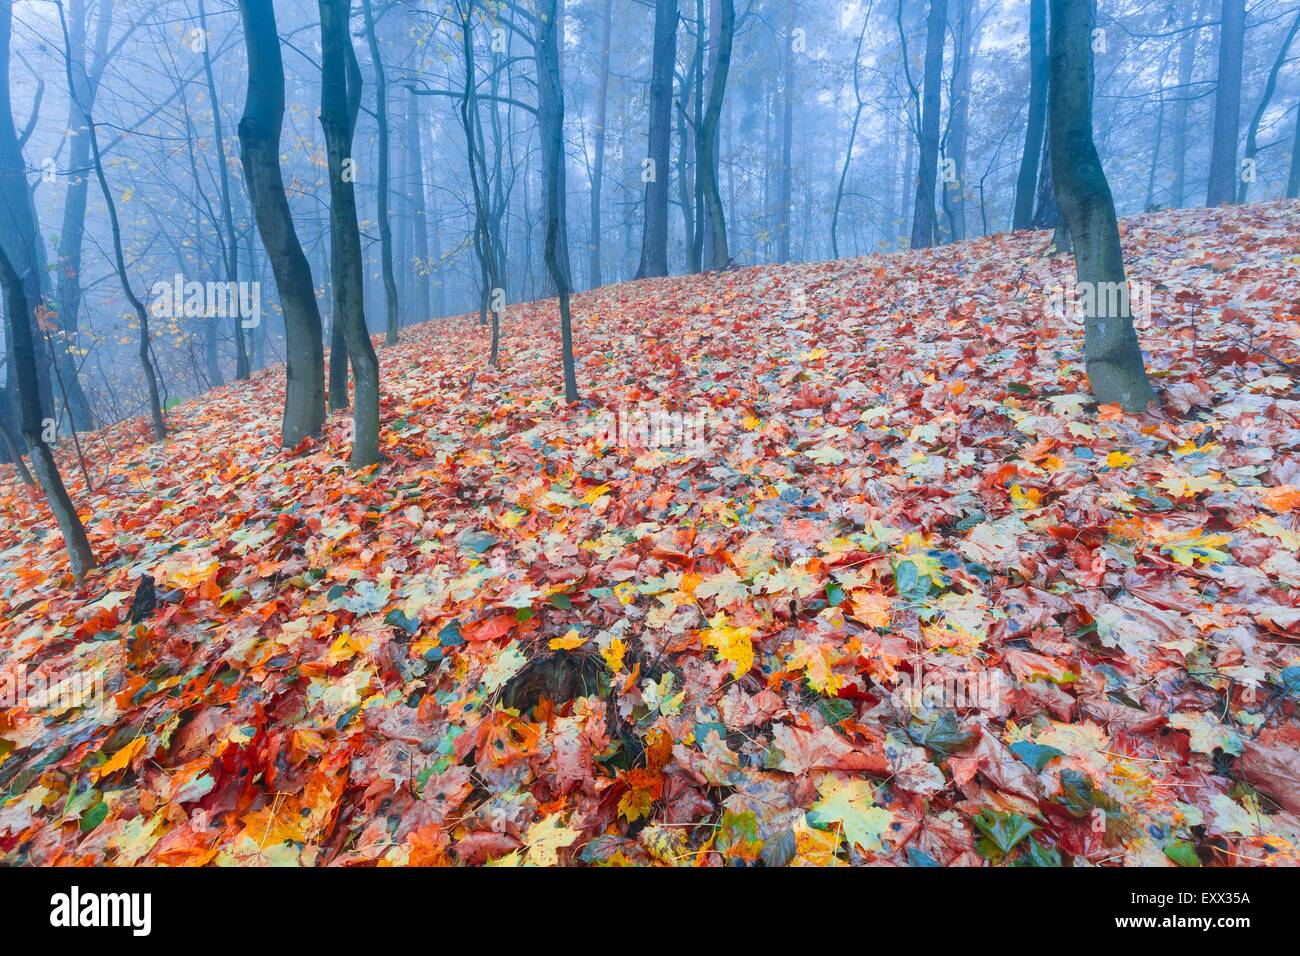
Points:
point(896, 592)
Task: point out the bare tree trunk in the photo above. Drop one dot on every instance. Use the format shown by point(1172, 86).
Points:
point(685, 182)
point(859, 104)
point(1252, 133)
point(1186, 65)
point(19, 227)
point(598, 170)
point(73, 229)
point(787, 139)
point(1293, 181)
point(145, 347)
point(23, 355)
point(381, 184)
point(925, 225)
point(339, 101)
point(259, 141)
point(968, 41)
point(1227, 105)
point(1111, 352)
point(550, 102)
point(720, 258)
point(419, 208)
point(654, 238)
point(227, 212)
point(1027, 181)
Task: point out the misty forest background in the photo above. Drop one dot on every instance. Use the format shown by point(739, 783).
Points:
point(491, 153)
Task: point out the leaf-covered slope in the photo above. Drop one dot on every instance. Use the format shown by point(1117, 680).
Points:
point(900, 593)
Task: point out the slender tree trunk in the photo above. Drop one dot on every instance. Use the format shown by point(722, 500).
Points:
point(925, 225)
point(1186, 66)
point(339, 100)
point(717, 219)
point(598, 168)
point(550, 102)
point(19, 227)
point(1293, 181)
point(381, 184)
point(1252, 132)
point(654, 238)
point(31, 416)
point(685, 183)
point(1111, 352)
point(145, 347)
point(1027, 181)
point(73, 229)
point(227, 210)
point(419, 208)
point(968, 42)
point(259, 142)
point(784, 195)
point(1227, 105)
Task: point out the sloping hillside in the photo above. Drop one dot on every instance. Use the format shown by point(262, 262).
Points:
point(834, 562)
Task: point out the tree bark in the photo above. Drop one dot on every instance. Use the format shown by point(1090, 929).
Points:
point(227, 209)
point(381, 182)
point(1111, 352)
point(1252, 132)
point(1186, 66)
point(144, 349)
point(339, 100)
point(1027, 181)
point(550, 102)
point(784, 188)
point(719, 257)
point(924, 221)
point(598, 166)
point(73, 230)
point(259, 152)
point(23, 356)
point(654, 237)
point(1227, 105)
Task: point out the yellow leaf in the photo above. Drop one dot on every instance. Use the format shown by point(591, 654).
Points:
point(1117, 459)
point(613, 654)
point(121, 759)
point(732, 643)
point(571, 640)
point(546, 838)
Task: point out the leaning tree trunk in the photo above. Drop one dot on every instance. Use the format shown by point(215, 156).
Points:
point(144, 349)
point(227, 210)
point(1252, 133)
point(719, 257)
point(340, 95)
point(550, 115)
point(31, 419)
point(1293, 181)
point(925, 225)
point(73, 231)
point(1227, 105)
point(654, 238)
point(259, 142)
point(381, 186)
point(1027, 181)
point(1111, 352)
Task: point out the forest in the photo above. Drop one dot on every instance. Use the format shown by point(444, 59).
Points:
point(655, 433)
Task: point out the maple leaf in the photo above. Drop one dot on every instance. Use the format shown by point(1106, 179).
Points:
point(726, 586)
point(732, 643)
point(848, 804)
point(546, 838)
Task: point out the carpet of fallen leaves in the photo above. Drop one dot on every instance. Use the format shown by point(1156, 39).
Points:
point(913, 600)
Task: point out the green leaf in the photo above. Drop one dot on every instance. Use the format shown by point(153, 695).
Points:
point(1183, 852)
point(942, 736)
point(1000, 833)
point(1036, 854)
point(1035, 755)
